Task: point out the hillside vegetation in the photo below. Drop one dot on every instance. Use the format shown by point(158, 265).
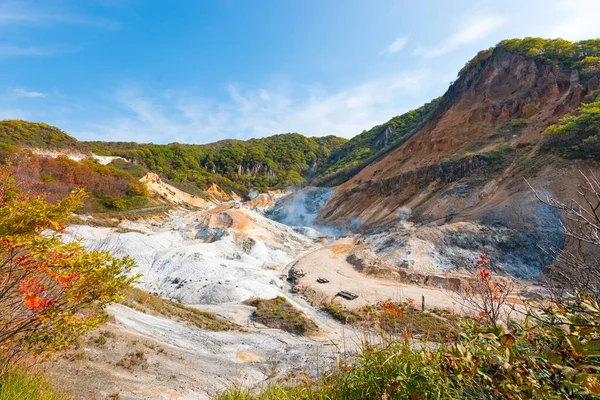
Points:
point(277, 161)
point(109, 188)
point(577, 135)
point(36, 135)
point(279, 313)
point(583, 55)
point(366, 144)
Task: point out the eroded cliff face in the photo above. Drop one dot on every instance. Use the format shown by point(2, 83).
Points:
point(505, 100)
point(467, 164)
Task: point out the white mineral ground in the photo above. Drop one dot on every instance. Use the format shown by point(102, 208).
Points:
point(215, 259)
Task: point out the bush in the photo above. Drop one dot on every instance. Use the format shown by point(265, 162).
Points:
point(553, 354)
point(50, 291)
point(279, 313)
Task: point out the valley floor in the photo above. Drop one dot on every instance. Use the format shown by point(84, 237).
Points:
point(215, 260)
point(164, 359)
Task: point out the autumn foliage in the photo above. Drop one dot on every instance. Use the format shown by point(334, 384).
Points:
point(51, 291)
point(55, 178)
point(485, 294)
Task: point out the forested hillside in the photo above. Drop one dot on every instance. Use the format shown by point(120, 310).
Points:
point(363, 146)
point(277, 161)
point(108, 188)
point(36, 135)
point(273, 162)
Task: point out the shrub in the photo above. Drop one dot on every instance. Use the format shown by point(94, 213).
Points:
point(485, 294)
point(50, 291)
point(133, 359)
point(279, 313)
point(553, 354)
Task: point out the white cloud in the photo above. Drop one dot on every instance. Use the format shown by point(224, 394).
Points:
point(259, 112)
point(27, 13)
point(26, 93)
point(579, 20)
point(17, 16)
point(20, 51)
point(12, 113)
point(396, 45)
point(471, 32)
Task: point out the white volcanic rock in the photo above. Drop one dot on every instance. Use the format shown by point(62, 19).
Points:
point(223, 255)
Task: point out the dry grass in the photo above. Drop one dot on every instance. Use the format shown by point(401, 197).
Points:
point(23, 384)
point(154, 305)
point(400, 319)
point(134, 359)
point(280, 314)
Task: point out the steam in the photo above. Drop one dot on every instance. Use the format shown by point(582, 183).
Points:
point(404, 213)
point(300, 209)
point(252, 194)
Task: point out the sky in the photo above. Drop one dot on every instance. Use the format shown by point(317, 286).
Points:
point(198, 71)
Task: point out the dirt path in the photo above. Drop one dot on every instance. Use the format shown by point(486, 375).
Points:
point(330, 262)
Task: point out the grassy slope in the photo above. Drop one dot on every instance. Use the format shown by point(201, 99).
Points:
point(19, 384)
point(365, 145)
point(148, 303)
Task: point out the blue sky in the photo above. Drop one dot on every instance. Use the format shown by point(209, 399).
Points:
point(197, 71)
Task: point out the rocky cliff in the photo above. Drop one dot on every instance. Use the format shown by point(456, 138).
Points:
point(466, 163)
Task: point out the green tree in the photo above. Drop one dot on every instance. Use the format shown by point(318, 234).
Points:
point(50, 291)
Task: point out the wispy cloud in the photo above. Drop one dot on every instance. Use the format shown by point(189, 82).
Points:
point(12, 113)
point(579, 20)
point(18, 17)
point(27, 93)
point(7, 51)
point(472, 31)
point(30, 13)
point(245, 113)
point(18, 51)
point(396, 45)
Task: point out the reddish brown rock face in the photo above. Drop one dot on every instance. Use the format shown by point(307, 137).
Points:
point(504, 101)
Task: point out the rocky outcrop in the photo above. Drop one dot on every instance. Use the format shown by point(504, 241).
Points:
point(370, 264)
point(384, 139)
point(255, 169)
point(218, 195)
point(171, 194)
point(466, 163)
point(495, 91)
point(445, 172)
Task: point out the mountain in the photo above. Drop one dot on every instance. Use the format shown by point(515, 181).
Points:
point(237, 166)
point(407, 231)
point(36, 135)
point(362, 149)
point(277, 161)
point(527, 108)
